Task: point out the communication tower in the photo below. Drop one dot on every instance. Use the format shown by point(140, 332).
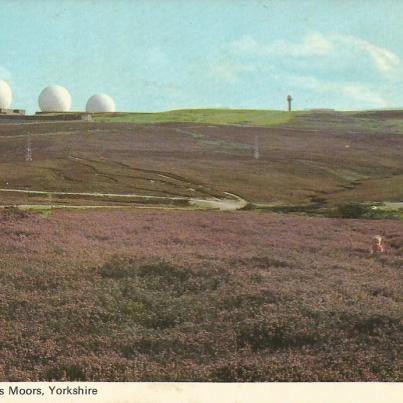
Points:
point(28, 149)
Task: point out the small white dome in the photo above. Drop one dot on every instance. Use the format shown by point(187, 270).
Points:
point(100, 103)
point(6, 95)
point(54, 99)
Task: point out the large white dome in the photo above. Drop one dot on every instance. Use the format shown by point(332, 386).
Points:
point(54, 99)
point(6, 95)
point(100, 103)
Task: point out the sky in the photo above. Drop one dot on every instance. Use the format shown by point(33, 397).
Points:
point(156, 55)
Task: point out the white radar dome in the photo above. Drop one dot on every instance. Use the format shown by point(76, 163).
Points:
point(6, 95)
point(54, 99)
point(100, 103)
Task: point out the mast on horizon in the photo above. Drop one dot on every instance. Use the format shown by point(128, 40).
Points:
point(289, 100)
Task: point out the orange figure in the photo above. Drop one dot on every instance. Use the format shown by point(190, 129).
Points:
point(377, 245)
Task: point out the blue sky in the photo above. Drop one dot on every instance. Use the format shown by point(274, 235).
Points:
point(153, 55)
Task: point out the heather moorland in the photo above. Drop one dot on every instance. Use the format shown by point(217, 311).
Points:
point(110, 272)
point(145, 295)
point(321, 160)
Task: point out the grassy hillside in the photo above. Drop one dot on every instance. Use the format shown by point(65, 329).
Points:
point(208, 116)
point(331, 158)
point(388, 121)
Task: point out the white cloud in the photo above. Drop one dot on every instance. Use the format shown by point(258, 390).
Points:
point(226, 69)
point(333, 47)
point(360, 92)
point(312, 45)
point(351, 90)
point(335, 67)
point(384, 59)
point(244, 45)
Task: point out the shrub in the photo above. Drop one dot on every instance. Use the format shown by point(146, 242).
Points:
point(238, 371)
point(262, 334)
point(13, 213)
point(354, 210)
point(360, 210)
point(378, 324)
point(71, 373)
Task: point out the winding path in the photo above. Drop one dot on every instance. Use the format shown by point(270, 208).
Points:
point(233, 202)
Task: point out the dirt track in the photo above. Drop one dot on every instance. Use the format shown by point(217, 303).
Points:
point(233, 202)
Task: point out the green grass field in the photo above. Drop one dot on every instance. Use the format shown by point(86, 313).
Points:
point(208, 116)
point(370, 121)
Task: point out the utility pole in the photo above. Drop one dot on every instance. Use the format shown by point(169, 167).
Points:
point(289, 100)
point(256, 153)
point(28, 149)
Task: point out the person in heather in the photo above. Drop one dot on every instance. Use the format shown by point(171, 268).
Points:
point(377, 245)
